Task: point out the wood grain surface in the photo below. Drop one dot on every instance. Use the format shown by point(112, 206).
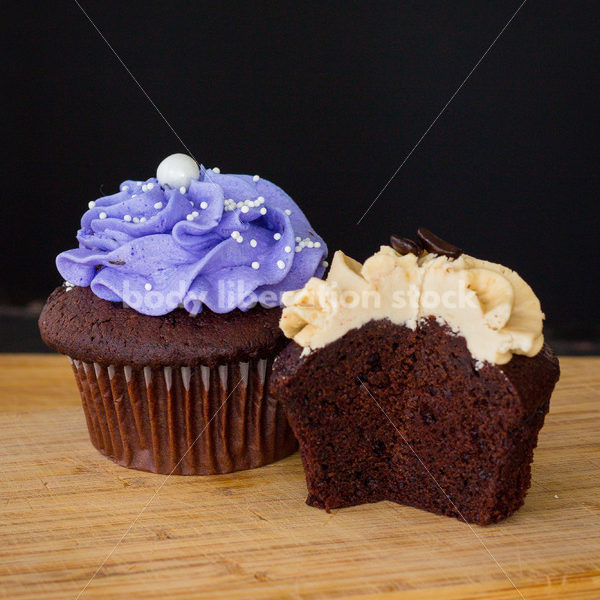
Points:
point(74, 525)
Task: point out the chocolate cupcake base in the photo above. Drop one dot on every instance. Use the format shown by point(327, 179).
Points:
point(184, 420)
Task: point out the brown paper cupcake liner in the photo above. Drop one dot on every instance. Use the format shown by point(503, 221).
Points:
point(184, 420)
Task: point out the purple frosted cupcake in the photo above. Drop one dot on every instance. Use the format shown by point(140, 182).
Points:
point(169, 314)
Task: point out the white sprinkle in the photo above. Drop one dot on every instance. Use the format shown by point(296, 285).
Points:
point(216, 170)
point(325, 263)
point(190, 217)
point(143, 220)
point(287, 211)
point(158, 205)
point(235, 234)
point(144, 188)
point(136, 219)
point(239, 239)
point(556, 495)
point(124, 188)
point(150, 186)
point(139, 183)
point(255, 178)
point(253, 243)
point(102, 215)
point(240, 204)
point(298, 239)
point(148, 286)
point(245, 209)
point(260, 199)
point(310, 244)
point(191, 203)
point(182, 190)
point(203, 205)
point(288, 249)
point(298, 248)
point(317, 244)
point(263, 211)
point(255, 265)
point(281, 264)
point(127, 218)
point(277, 236)
point(195, 214)
point(134, 195)
point(91, 204)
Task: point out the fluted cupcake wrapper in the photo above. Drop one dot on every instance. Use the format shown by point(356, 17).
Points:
point(184, 420)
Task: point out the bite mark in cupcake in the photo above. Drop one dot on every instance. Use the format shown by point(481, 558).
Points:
point(420, 376)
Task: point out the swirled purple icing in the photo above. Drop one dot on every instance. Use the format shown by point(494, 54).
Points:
point(226, 242)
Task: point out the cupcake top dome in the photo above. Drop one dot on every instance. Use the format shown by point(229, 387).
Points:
point(194, 237)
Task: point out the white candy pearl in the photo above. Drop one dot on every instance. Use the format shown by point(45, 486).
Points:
point(177, 171)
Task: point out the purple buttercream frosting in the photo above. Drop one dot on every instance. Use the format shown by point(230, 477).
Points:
point(226, 242)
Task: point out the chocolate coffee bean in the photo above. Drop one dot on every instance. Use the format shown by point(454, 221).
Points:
point(436, 245)
point(405, 246)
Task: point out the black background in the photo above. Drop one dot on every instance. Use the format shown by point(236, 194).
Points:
point(326, 100)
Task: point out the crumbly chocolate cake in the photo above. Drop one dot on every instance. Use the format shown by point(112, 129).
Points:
point(81, 325)
point(390, 413)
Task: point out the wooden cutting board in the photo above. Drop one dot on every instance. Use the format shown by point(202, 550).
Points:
point(74, 525)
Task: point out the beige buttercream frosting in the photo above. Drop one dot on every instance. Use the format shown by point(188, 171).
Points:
point(488, 304)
